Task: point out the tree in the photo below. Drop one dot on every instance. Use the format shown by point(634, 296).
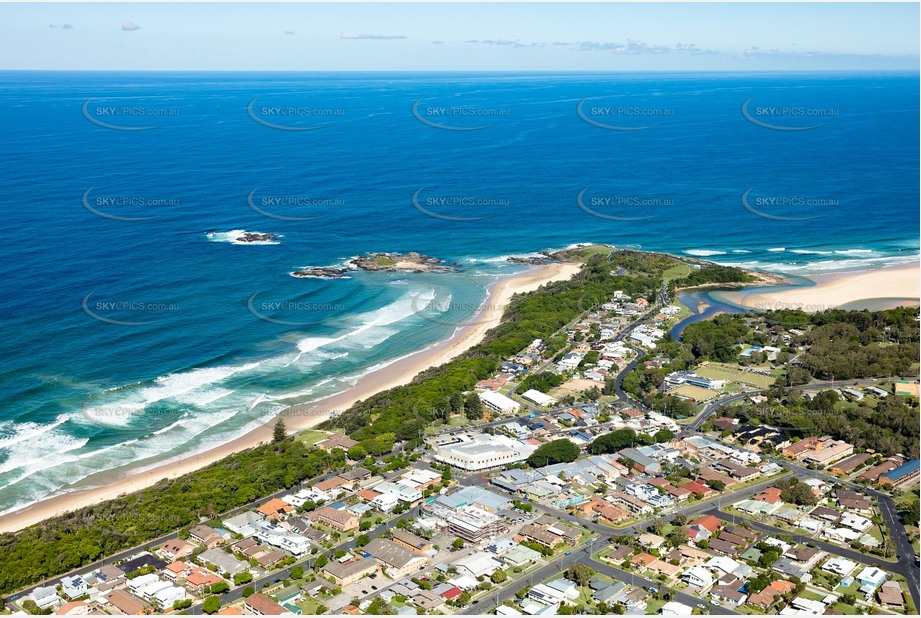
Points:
point(362, 540)
point(182, 604)
point(557, 451)
point(279, 433)
point(247, 591)
point(498, 576)
point(458, 543)
point(321, 561)
point(612, 442)
point(473, 407)
point(677, 536)
point(297, 572)
point(716, 485)
point(663, 435)
point(379, 607)
point(357, 452)
point(211, 605)
point(580, 574)
point(220, 588)
point(243, 577)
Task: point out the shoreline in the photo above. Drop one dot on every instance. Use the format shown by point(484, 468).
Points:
point(893, 285)
point(305, 416)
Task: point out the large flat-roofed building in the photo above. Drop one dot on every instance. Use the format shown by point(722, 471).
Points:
point(394, 559)
point(481, 451)
point(347, 573)
point(538, 398)
point(499, 403)
point(467, 521)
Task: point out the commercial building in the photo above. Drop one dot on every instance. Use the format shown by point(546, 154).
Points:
point(394, 559)
point(538, 398)
point(469, 522)
point(480, 451)
point(346, 573)
point(499, 403)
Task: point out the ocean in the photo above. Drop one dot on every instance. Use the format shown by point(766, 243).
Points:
point(137, 329)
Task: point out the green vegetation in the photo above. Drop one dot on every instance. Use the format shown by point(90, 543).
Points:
point(794, 492)
point(716, 339)
point(406, 410)
point(889, 428)
point(542, 382)
point(557, 451)
point(713, 274)
point(69, 541)
point(613, 442)
point(211, 605)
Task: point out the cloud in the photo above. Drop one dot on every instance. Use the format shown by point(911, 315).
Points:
point(129, 26)
point(289, 32)
point(67, 27)
point(353, 36)
point(635, 47)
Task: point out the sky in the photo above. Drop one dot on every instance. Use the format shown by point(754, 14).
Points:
point(459, 37)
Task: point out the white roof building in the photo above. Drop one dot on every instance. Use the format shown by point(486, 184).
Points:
point(538, 398)
point(499, 403)
point(674, 608)
point(840, 566)
point(478, 565)
point(481, 451)
point(385, 502)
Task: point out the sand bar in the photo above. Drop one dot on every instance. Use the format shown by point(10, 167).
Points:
point(834, 290)
point(397, 373)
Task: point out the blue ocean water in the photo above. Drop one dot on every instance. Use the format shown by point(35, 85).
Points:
point(134, 330)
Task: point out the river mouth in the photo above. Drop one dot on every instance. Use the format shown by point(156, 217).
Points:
point(704, 306)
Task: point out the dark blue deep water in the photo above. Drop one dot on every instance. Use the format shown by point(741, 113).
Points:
point(135, 226)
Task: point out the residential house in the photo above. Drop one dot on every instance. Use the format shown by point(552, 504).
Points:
point(340, 520)
point(205, 535)
point(261, 605)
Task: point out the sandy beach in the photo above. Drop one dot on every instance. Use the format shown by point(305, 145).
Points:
point(309, 415)
point(898, 284)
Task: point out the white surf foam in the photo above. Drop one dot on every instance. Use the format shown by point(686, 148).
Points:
point(703, 252)
point(232, 236)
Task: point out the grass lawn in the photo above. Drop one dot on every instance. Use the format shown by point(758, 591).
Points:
point(653, 605)
point(812, 596)
point(308, 606)
point(312, 436)
point(844, 608)
point(676, 272)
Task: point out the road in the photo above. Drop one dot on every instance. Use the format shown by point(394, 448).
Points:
point(905, 565)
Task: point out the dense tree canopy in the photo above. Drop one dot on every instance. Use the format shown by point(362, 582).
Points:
point(557, 451)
